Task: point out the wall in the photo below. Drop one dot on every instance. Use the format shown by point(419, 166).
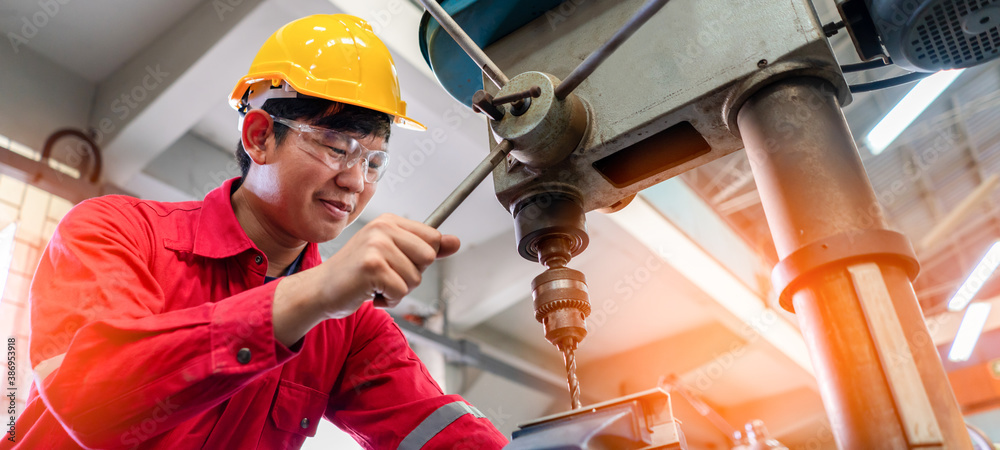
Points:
point(37, 97)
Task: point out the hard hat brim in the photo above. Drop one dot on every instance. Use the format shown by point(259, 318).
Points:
point(235, 97)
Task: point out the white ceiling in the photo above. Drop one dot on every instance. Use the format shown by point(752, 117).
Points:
point(92, 37)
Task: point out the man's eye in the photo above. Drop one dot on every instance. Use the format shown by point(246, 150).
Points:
point(337, 151)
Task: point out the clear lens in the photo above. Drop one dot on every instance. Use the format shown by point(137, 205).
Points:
point(338, 150)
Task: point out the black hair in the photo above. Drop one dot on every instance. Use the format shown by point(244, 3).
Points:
point(321, 113)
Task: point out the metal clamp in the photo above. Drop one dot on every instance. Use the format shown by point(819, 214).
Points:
point(874, 245)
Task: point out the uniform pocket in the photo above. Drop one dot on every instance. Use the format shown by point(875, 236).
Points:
point(298, 409)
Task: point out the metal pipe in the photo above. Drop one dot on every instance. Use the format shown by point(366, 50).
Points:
point(813, 186)
point(595, 59)
point(469, 184)
point(471, 48)
point(469, 353)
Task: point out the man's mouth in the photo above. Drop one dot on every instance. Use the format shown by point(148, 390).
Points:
point(337, 208)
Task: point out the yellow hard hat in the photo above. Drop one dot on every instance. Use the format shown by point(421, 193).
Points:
point(331, 56)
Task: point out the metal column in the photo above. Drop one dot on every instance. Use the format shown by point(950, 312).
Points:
point(879, 373)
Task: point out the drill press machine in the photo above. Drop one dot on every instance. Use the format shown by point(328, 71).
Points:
point(701, 79)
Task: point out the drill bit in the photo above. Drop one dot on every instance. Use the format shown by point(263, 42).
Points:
point(569, 355)
point(561, 304)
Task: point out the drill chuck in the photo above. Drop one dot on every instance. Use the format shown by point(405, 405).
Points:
point(562, 305)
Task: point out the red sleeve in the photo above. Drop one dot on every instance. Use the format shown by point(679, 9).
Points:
point(94, 299)
point(385, 393)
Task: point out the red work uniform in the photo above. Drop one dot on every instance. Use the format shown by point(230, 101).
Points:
point(164, 318)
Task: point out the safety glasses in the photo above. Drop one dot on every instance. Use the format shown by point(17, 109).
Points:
point(338, 150)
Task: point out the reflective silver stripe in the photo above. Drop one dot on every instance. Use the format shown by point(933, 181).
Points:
point(436, 422)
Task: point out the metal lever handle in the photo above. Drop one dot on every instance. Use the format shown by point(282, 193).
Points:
point(532, 92)
point(469, 184)
point(462, 192)
point(595, 59)
point(458, 34)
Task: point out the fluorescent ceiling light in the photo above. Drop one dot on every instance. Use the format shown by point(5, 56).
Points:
point(908, 109)
point(6, 253)
point(983, 271)
point(969, 331)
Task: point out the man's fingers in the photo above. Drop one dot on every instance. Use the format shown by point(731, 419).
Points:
point(419, 252)
point(443, 244)
point(391, 291)
point(402, 266)
point(449, 245)
point(427, 233)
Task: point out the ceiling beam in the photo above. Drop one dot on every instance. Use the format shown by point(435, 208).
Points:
point(744, 178)
point(947, 225)
point(785, 413)
point(643, 367)
point(484, 280)
point(739, 203)
point(469, 352)
point(974, 153)
point(734, 159)
point(152, 100)
point(737, 306)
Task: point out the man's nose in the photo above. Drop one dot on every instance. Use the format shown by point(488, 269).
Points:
point(352, 178)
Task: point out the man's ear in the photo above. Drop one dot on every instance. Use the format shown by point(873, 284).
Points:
point(257, 129)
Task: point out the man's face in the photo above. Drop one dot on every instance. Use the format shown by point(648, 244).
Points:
point(307, 199)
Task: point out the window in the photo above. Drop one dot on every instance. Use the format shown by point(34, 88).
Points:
point(28, 217)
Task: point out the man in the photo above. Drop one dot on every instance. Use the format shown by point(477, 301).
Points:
point(214, 324)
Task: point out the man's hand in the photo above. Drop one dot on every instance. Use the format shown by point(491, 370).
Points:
point(387, 257)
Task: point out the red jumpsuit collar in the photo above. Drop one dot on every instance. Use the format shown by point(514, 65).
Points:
point(220, 235)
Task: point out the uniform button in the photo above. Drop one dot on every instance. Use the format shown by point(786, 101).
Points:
point(258, 259)
point(305, 423)
point(243, 356)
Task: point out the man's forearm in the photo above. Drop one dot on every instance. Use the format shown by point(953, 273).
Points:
point(295, 309)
